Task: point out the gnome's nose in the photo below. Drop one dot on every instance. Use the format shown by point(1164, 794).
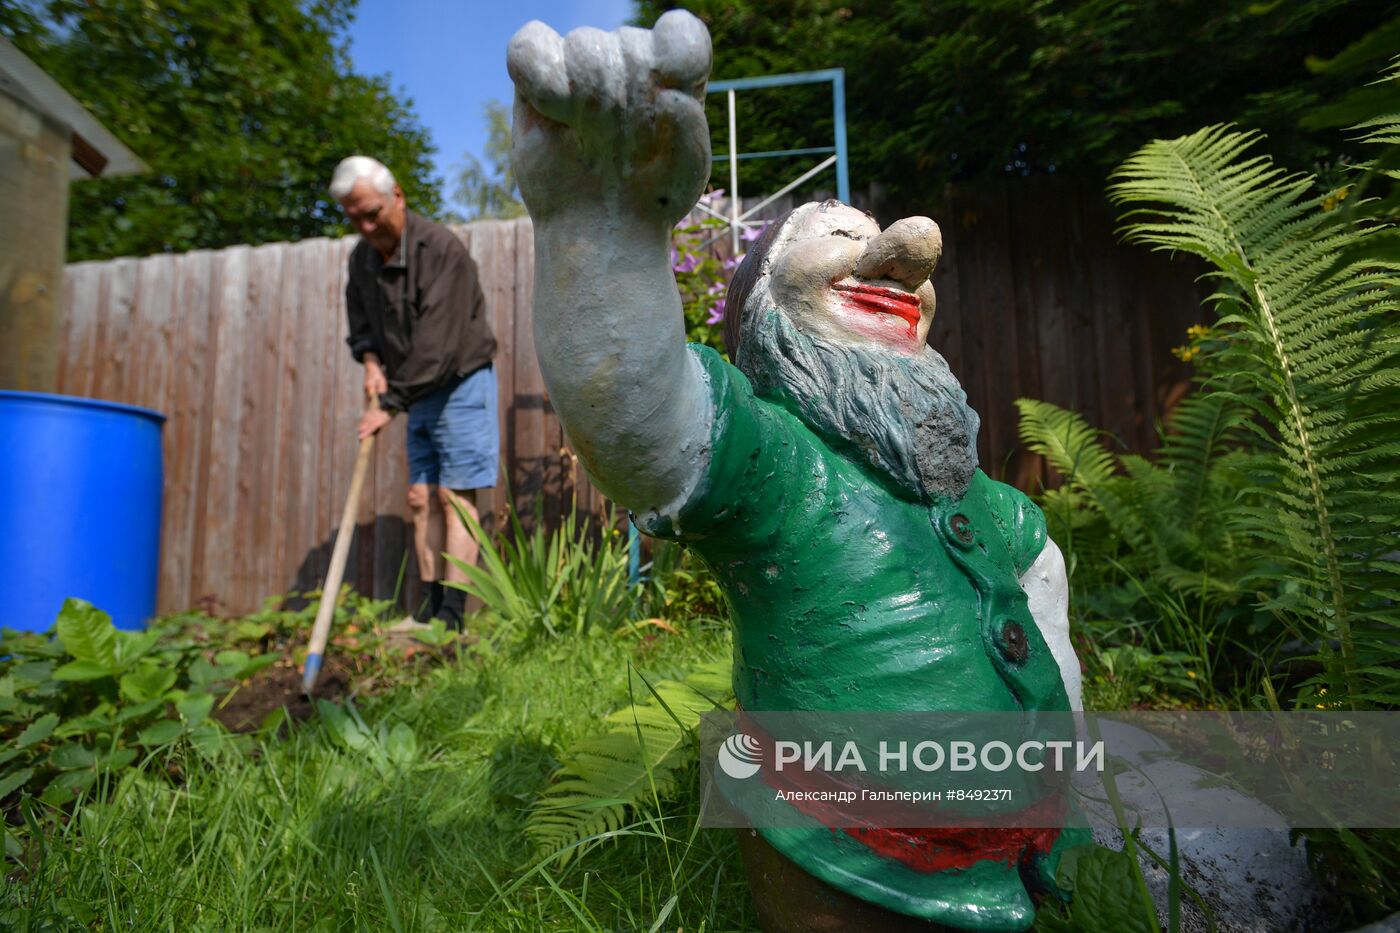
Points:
point(906, 251)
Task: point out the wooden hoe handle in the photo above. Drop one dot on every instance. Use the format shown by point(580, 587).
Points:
point(320, 632)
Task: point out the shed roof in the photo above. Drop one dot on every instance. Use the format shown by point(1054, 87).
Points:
point(96, 152)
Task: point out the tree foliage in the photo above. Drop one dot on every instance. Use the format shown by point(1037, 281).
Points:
point(490, 191)
point(241, 108)
point(974, 88)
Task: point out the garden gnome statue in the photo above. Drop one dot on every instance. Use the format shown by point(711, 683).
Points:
point(829, 479)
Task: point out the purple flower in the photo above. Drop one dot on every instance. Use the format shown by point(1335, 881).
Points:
point(732, 262)
point(716, 313)
point(749, 234)
point(709, 197)
point(687, 263)
point(714, 288)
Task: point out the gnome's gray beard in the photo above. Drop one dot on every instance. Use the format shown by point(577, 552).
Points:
point(905, 416)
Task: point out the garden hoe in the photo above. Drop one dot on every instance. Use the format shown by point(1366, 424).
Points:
point(320, 632)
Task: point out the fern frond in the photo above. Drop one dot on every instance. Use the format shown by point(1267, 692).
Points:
point(638, 758)
point(1384, 129)
point(1072, 447)
point(1201, 429)
point(1313, 323)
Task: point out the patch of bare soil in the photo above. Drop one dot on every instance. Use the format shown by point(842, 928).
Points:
point(279, 687)
point(348, 671)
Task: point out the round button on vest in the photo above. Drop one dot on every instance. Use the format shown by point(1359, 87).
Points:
point(1011, 641)
point(961, 527)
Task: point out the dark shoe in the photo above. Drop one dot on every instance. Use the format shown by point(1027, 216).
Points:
point(454, 606)
point(431, 604)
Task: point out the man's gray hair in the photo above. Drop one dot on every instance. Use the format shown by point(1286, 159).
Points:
point(357, 167)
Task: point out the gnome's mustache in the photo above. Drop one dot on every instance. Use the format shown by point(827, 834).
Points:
point(905, 416)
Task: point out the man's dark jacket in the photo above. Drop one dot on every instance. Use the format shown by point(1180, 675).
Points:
point(422, 311)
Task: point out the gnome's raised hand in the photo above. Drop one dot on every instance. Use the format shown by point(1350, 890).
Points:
point(610, 121)
point(611, 148)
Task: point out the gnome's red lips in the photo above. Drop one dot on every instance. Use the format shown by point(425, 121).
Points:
point(880, 300)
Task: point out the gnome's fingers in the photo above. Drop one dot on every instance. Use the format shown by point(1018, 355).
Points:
point(535, 60)
point(597, 75)
point(682, 50)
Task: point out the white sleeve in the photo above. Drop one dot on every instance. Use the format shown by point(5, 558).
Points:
point(1046, 585)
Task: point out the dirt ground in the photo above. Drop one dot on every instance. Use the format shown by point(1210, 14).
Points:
point(279, 687)
point(345, 673)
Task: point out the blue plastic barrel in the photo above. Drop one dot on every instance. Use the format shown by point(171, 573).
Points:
point(80, 495)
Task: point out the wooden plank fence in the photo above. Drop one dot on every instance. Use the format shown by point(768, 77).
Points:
point(244, 350)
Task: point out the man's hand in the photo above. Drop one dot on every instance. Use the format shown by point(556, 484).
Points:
point(372, 420)
point(612, 123)
point(376, 383)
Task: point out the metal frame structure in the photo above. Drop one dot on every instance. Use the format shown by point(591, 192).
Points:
point(737, 221)
point(837, 76)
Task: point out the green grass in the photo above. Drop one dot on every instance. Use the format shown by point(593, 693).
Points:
point(413, 822)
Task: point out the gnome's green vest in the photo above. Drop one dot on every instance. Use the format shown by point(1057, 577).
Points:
point(848, 597)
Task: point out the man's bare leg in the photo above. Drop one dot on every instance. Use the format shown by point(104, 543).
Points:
point(461, 545)
point(425, 509)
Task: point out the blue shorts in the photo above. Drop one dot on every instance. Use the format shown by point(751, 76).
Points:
point(453, 439)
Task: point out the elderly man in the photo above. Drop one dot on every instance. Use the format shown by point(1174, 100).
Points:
point(418, 324)
point(830, 480)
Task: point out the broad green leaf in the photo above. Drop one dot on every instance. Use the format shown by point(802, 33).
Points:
point(147, 682)
point(343, 727)
point(87, 634)
point(66, 786)
point(13, 849)
point(76, 910)
point(132, 646)
point(31, 674)
point(116, 759)
point(402, 745)
point(232, 658)
point(195, 708)
point(204, 674)
point(139, 710)
point(208, 738)
point(251, 631)
point(435, 634)
point(161, 733)
point(97, 719)
point(273, 721)
point(1105, 893)
point(257, 664)
point(11, 782)
point(37, 731)
point(72, 756)
point(82, 670)
point(201, 672)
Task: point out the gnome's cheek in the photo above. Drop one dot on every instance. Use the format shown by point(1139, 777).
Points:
point(803, 274)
